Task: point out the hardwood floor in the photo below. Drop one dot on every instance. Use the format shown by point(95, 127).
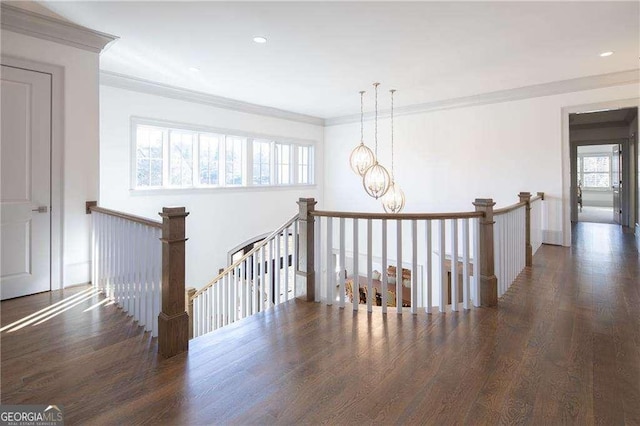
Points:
point(562, 348)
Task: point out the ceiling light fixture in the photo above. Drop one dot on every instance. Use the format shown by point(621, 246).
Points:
point(605, 54)
point(361, 157)
point(194, 69)
point(393, 200)
point(260, 39)
point(376, 179)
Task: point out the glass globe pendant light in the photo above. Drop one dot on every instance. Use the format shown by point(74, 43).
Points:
point(393, 200)
point(376, 178)
point(361, 157)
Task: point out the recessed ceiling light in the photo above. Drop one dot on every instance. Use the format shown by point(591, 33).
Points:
point(194, 69)
point(605, 54)
point(260, 39)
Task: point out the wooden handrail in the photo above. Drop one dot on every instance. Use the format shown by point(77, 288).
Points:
point(397, 216)
point(245, 257)
point(508, 209)
point(126, 216)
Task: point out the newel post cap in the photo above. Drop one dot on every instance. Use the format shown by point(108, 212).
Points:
point(484, 202)
point(171, 212)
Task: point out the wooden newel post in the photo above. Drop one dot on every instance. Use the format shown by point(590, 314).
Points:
point(173, 321)
point(305, 269)
point(488, 280)
point(528, 249)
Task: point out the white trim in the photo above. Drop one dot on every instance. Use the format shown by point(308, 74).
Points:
point(57, 155)
point(121, 81)
point(534, 91)
point(568, 196)
point(47, 28)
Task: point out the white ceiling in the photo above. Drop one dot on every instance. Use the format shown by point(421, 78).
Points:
point(319, 55)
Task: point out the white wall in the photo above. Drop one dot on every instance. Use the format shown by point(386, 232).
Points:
point(80, 150)
point(219, 220)
point(446, 159)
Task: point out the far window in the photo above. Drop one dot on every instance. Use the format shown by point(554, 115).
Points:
point(181, 158)
point(149, 153)
point(195, 157)
point(303, 165)
point(283, 164)
point(209, 159)
point(595, 171)
point(261, 162)
point(233, 160)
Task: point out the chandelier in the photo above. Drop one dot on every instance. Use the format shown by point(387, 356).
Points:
point(376, 179)
point(393, 199)
point(361, 157)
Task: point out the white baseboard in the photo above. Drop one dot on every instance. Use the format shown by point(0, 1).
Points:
point(552, 237)
point(77, 273)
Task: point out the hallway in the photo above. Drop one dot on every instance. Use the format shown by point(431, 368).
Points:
point(563, 347)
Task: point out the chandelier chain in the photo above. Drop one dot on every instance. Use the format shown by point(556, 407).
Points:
point(376, 121)
point(362, 116)
point(392, 159)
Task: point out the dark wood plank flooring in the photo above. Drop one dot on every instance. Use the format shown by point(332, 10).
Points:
point(562, 348)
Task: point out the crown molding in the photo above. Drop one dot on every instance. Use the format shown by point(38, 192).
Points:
point(534, 91)
point(136, 84)
point(44, 27)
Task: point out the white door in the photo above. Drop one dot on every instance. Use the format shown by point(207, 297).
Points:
point(25, 182)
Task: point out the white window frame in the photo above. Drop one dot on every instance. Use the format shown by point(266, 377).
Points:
point(247, 159)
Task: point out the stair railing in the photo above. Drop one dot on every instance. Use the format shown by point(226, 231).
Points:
point(263, 277)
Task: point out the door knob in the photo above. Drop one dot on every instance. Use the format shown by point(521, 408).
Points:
point(41, 209)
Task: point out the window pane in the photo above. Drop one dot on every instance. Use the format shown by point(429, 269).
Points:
point(233, 160)
point(596, 164)
point(209, 159)
point(261, 162)
point(181, 158)
point(596, 180)
point(283, 161)
point(148, 156)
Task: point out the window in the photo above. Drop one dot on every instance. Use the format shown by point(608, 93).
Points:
point(181, 158)
point(149, 147)
point(261, 162)
point(303, 164)
point(209, 159)
point(233, 160)
point(283, 164)
point(187, 157)
point(594, 171)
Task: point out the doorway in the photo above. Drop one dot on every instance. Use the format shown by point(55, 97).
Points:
point(596, 177)
point(602, 166)
point(25, 200)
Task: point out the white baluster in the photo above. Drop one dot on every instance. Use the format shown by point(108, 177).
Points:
point(342, 263)
point(476, 262)
point(370, 294)
point(384, 273)
point(263, 285)
point(443, 272)
point(466, 295)
point(355, 285)
point(285, 263)
point(428, 302)
point(270, 275)
point(414, 267)
point(294, 260)
point(399, 267)
point(454, 265)
point(318, 258)
point(243, 288)
point(276, 266)
point(255, 275)
point(331, 274)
